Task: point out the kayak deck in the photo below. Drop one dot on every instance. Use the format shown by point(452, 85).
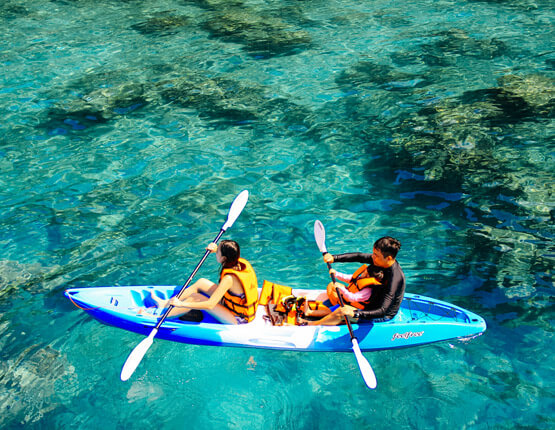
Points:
point(420, 320)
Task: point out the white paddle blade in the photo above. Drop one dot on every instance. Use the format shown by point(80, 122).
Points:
point(364, 366)
point(320, 236)
point(136, 356)
point(236, 208)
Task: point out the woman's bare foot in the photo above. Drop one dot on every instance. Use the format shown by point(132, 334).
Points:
point(145, 312)
point(161, 303)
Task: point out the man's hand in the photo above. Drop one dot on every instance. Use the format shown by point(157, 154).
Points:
point(347, 311)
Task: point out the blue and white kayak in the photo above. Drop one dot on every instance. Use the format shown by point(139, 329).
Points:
point(420, 320)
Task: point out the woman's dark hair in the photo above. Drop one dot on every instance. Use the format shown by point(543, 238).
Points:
point(231, 252)
point(388, 246)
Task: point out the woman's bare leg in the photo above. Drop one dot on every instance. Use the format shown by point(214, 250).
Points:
point(198, 292)
point(203, 285)
point(219, 312)
point(334, 318)
point(179, 311)
point(222, 314)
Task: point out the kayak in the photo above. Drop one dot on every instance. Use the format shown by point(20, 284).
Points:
point(421, 320)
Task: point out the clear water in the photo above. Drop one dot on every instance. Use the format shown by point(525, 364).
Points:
point(128, 127)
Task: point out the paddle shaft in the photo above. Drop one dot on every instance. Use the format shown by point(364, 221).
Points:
point(341, 302)
point(204, 257)
point(365, 369)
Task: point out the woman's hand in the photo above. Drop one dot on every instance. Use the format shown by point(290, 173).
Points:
point(212, 247)
point(176, 303)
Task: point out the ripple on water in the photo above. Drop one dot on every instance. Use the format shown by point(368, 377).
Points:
point(126, 133)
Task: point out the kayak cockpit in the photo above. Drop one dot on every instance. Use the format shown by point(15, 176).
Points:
point(416, 308)
point(137, 304)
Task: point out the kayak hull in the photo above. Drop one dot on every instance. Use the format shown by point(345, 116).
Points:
point(420, 320)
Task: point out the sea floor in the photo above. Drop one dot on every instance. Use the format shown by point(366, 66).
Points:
point(128, 127)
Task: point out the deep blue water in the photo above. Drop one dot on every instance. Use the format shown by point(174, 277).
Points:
point(128, 127)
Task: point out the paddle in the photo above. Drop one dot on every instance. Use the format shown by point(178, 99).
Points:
point(363, 364)
point(140, 350)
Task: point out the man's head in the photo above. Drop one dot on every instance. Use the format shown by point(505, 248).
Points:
point(385, 251)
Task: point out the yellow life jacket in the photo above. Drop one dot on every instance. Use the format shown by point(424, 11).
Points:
point(285, 304)
point(276, 294)
point(245, 304)
point(361, 279)
point(280, 295)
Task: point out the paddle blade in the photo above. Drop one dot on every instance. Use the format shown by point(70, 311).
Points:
point(365, 369)
point(320, 236)
point(236, 208)
point(136, 356)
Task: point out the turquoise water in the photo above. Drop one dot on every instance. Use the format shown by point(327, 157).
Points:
point(128, 127)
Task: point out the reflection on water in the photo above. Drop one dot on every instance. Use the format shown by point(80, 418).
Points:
point(129, 127)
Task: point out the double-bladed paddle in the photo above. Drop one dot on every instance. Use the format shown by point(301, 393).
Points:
point(140, 350)
point(363, 364)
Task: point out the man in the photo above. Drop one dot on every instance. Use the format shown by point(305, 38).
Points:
point(385, 300)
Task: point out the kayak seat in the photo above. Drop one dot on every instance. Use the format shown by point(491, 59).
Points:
point(137, 298)
point(194, 315)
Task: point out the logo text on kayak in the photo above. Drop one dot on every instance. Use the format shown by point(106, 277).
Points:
point(407, 335)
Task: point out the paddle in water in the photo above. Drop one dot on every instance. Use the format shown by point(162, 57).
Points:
point(140, 350)
point(363, 364)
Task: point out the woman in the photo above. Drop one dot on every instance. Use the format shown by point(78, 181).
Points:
point(233, 300)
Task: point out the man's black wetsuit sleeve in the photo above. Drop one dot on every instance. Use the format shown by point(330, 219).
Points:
point(356, 257)
point(397, 283)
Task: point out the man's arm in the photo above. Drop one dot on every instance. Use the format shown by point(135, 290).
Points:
point(375, 313)
point(353, 257)
point(397, 282)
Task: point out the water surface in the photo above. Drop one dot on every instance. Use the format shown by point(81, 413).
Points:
point(129, 127)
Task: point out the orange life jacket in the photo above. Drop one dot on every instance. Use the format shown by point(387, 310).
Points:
point(361, 279)
point(245, 304)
